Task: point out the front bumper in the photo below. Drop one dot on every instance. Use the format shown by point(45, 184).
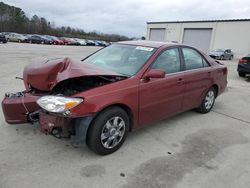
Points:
point(21, 107)
point(215, 56)
point(17, 107)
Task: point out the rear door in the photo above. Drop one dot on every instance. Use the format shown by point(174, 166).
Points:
point(162, 97)
point(198, 78)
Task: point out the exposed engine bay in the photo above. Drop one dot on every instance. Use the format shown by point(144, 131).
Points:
point(75, 85)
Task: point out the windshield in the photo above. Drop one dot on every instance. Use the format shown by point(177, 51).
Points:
point(123, 59)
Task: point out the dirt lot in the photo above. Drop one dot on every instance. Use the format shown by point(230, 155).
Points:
point(188, 150)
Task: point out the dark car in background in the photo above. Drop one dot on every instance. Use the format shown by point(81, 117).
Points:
point(222, 54)
point(122, 87)
point(37, 39)
point(90, 43)
point(3, 38)
point(244, 66)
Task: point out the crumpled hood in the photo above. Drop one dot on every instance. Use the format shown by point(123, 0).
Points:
point(45, 75)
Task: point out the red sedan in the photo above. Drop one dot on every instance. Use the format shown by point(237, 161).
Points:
point(120, 88)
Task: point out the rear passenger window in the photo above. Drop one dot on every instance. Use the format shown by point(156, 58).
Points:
point(169, 61)
point(193, 60)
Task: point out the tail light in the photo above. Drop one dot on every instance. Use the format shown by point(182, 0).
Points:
point(242, 61)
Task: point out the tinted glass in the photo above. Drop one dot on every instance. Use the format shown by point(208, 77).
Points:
point(169, 61)
point(193, 60)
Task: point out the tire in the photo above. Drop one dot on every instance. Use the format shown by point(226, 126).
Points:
point(110, 125)
point(222, 57)
point(208, 101)
point(231, 57)
point(241, 74)
point(19, 41)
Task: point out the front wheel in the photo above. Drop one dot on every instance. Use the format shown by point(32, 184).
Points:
point(108, 131)
point(222, 57)
point(208, 102)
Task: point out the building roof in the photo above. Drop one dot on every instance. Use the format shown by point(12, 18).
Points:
point(196, 21)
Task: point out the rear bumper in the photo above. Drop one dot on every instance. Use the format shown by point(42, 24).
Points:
point(244, 68)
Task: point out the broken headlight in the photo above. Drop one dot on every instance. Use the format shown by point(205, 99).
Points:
point(58, 104)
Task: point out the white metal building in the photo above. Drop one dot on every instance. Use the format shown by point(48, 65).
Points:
point(205, 35)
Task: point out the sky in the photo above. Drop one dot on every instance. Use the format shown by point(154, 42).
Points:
point(129, 17)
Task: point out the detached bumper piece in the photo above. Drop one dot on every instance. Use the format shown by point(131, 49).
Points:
point(19, 107)
point(65, 127)
point(55, 125)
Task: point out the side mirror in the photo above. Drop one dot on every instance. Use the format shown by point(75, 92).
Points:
point(155, 73)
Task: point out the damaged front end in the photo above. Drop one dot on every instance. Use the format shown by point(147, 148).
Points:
point(48, 97)
point(20, 107)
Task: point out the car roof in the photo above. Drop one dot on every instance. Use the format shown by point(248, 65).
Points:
point(153, 44)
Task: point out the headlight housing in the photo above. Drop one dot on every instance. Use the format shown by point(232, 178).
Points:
point(58, 104)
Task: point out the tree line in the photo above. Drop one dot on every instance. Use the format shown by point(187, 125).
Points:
point(14, 19)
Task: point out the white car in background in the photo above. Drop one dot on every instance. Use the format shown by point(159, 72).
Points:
point(15, 37)
point(81, 41)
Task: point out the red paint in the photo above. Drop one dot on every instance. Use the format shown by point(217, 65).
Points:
point(149, 100)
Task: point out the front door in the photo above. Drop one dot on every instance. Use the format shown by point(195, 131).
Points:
point(162, 97)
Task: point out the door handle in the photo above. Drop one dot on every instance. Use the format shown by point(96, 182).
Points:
point(180, 81)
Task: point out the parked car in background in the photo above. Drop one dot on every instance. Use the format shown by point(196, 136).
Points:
point(82, 42)
point(100, 43)
point(105, 43)
point(3, 38)
point(222, 54)
point(55, 40)
point(15, 37)
point(90, 43)
point(119, 88)
point(69, 41)
point(244, 66)
point(37, 39)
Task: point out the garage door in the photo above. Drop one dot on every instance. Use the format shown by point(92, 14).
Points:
point(199, 38)
point(157, 34)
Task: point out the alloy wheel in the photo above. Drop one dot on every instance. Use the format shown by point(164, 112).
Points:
point(113, 132)
point(209, 100)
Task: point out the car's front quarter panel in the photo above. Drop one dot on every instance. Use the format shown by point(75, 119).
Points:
point(124, 92)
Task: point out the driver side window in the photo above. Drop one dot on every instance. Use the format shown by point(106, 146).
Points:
point(169, 61)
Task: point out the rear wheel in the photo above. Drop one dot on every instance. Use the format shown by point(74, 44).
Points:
point(208, 101)
point(241, 74)
point(108, 131)
point(231, 57)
